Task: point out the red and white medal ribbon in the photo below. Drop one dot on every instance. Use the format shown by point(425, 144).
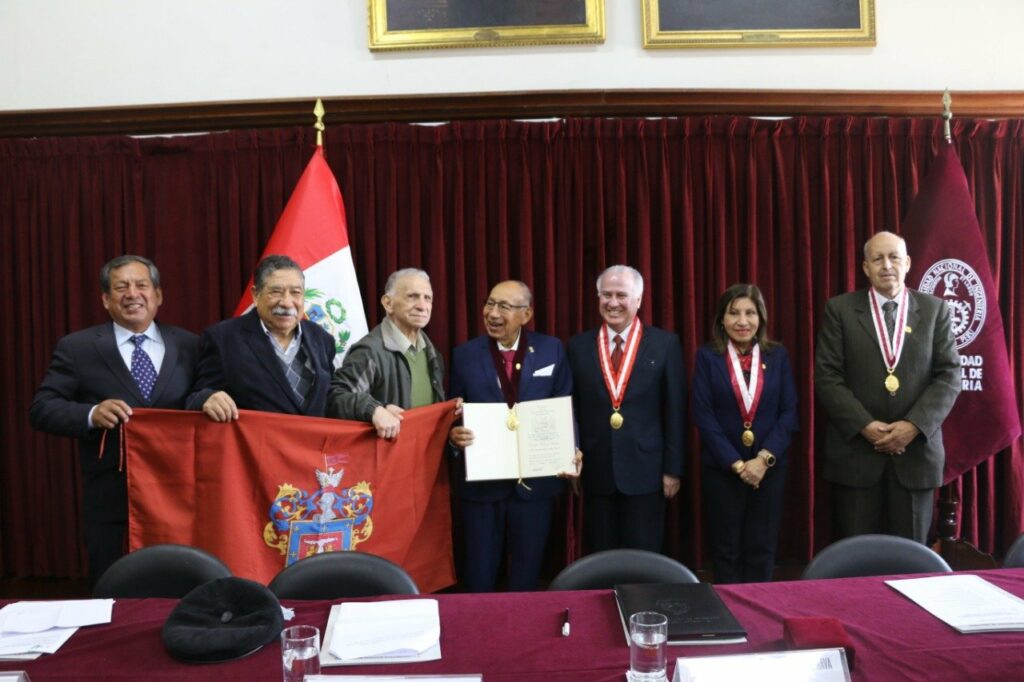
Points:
point(890, 352)
point(616, 382)
point(748, 396)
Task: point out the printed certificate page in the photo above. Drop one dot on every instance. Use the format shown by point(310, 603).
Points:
point(547, 442)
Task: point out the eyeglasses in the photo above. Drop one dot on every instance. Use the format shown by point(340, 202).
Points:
point(503, 306)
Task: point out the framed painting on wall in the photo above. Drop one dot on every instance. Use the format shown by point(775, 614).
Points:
point(420, 24)
point(758, 23)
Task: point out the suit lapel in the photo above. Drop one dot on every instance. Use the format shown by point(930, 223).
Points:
point(529, 365)
point(259, 344)
point(168, 365)
point(639, 373)
point(863, 307)
point(106, 348)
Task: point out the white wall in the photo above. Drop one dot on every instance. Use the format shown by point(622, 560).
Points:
point(101, 53)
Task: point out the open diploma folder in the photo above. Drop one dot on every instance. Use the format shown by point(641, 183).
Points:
point(695, 612)
point(542, 442)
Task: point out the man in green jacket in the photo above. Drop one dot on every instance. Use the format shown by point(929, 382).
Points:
point(395, 367)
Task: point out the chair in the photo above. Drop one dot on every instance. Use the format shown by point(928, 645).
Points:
point(170, 571)
point(605, 570)
point(1015, 555)
point(334, 575)
point(865, 555)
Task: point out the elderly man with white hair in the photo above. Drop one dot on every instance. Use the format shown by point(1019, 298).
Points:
point(395, 367)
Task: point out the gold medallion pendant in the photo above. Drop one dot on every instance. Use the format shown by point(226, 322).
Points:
point(892, 384)
point(616, 420)
point(512, 421)
point(748, 436)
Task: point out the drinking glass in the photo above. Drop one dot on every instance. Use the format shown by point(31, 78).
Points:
point(300, 652)
point(648, 637)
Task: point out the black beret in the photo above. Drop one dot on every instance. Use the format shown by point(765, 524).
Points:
point(222, 619)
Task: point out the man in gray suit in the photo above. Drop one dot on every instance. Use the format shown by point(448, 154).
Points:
point(887, 373)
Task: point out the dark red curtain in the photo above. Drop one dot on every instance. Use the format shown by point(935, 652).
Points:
point(695, 203)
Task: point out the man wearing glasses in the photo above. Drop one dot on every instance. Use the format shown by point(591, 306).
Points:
point(507, 364)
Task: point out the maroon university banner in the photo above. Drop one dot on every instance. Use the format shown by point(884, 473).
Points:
point(270, 489)
point(949, 256)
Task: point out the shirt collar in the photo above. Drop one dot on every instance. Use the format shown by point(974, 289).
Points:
point(298, 329)
point(881, 298)
point(394, 336)
point(122, 335)
point(515, 344)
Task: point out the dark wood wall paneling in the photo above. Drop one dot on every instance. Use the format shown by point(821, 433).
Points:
point(181, 118)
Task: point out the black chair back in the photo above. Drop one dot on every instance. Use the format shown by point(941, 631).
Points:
point(605, 570)
point(170, 571)
point(1015, 555)
point(334, 575)
point(866, 555)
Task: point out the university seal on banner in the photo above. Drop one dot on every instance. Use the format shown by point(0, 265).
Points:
point(328, 519)
point(955, 282)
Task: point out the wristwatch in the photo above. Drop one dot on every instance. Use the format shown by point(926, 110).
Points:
point(769, 458)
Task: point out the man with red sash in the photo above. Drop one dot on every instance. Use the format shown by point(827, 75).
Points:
point(629, 391)
point(887, 373)
point(507, 364)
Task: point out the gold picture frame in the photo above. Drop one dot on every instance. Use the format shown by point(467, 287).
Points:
point(754, 23)
point(425, 24)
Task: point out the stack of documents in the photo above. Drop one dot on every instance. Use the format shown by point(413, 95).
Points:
point(31, 628)
point(402, 631)
point(968, 603)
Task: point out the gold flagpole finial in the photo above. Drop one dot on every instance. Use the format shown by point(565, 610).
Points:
point(318, 111)
point(947, 114)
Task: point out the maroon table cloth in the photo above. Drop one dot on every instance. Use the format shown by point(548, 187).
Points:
point(518, 637)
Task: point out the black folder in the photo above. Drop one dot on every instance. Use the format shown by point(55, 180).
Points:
point(696, 614)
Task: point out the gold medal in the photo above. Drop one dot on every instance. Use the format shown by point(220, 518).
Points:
point(892, 384)
point(512, 421)
point(616, 420)
point(748, 436)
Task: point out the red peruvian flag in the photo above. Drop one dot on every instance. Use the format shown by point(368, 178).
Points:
point(313, 231)
point(271, 489)
point(949, 256)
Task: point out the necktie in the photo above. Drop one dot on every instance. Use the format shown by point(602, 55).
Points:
point(142, 369)
point(890, 317)
point(617, 353)
point(299, 376)
point(508, 356)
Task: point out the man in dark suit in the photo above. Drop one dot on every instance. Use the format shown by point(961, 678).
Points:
point(511, 365)
point(97, 376)
point(629, 389)
point(887, 373)
point(270, 358)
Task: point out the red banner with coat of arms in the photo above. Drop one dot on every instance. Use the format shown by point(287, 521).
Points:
point(270, 489)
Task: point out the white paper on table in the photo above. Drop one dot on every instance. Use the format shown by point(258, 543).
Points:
point(375, 678)
point(968, 603)
point(402, 629)
point(802, 665)
point(18, 646)
point(38, 616)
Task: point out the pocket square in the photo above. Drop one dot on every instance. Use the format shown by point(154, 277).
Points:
point(545, 371)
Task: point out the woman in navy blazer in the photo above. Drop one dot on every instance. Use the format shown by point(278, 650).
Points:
point(744, 405)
